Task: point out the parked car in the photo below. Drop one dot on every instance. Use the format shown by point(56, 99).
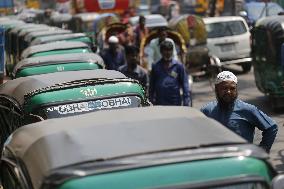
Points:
point(38, 97)
point(150, 147)
point(57, 63)
point(152, 21)
point(57, 47)
point(257, 10)
point(268, 58)
point(228, 38)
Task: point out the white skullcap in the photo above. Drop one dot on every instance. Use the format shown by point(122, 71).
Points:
point(113, 39)
point(226, 76)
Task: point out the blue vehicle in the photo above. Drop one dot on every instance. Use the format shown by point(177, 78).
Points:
point(256, 10)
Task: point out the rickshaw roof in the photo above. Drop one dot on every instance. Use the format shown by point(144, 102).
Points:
point(129, 132)
point(21, 27)
point(10, 22)
point(274, 23)
point(34, 29)
point(88, 16)
point(61, 17)
point(47, 32)
point(18, 88)
point(45, 39)
point(57, 45)
point(59, 59)
point(152, 20)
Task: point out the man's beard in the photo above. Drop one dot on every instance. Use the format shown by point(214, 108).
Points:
point(226, 103)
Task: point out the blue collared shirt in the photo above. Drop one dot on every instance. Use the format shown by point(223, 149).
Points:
point(242, 118)
point(165, 84)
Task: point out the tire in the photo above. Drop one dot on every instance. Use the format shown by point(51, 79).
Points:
point(246, 67)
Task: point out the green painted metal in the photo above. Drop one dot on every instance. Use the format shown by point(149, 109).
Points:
point(36, 70)
point(65, 51)
point(103, 90)
point(173, 174)
point(268, 70)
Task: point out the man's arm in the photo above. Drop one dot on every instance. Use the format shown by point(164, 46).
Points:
point(268, 137)
point(268, 127)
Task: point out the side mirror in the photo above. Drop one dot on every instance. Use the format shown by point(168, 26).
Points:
point(243, 14)
point(278, 182)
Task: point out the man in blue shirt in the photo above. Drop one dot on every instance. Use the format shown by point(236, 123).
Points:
point(168, 76)
point(114, 56)
point(132, 68)
point(238, 116)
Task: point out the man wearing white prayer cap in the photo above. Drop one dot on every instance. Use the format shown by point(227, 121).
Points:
point(114, 55)
point(237, 115)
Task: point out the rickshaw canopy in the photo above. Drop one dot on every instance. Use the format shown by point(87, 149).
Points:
point(82, 137)
point(190, 26)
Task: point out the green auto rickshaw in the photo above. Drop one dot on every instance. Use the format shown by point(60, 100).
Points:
point(57, 63)
point(57, 47)
point(268, 58)
point(38, 97)
point(51, 31)
point(156, 147)
point(64, 37)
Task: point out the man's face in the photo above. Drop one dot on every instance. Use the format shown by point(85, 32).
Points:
point(226, 92)
point(113, 46)
point(167, 54)
point(132, 59)
point(163, 36)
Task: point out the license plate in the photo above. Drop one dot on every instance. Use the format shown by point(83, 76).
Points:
point(225, 48)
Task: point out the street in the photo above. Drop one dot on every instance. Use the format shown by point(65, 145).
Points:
point(203, 93)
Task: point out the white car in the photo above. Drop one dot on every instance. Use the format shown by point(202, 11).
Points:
point(229, 39)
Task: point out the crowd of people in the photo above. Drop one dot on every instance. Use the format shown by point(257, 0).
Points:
point(164, 76)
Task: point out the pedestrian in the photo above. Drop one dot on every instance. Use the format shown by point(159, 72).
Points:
point(239, 116)
point(132, 69)
point(167, 77)
point(114, 55)
point(154, 54)
point(140, 31)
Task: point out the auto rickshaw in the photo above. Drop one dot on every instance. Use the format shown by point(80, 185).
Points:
point(268, 58)
point(83, 23)
point(147, 147)
point(30, 99)
point(63, 37)
point(198, 57)
point(48, 32)
point(57, 47)
point(15, 42)
point(57, 63)
point(8, 25)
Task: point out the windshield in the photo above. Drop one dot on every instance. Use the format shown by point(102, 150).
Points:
point(91, 106)
point(258, 10)
point(222, 29)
